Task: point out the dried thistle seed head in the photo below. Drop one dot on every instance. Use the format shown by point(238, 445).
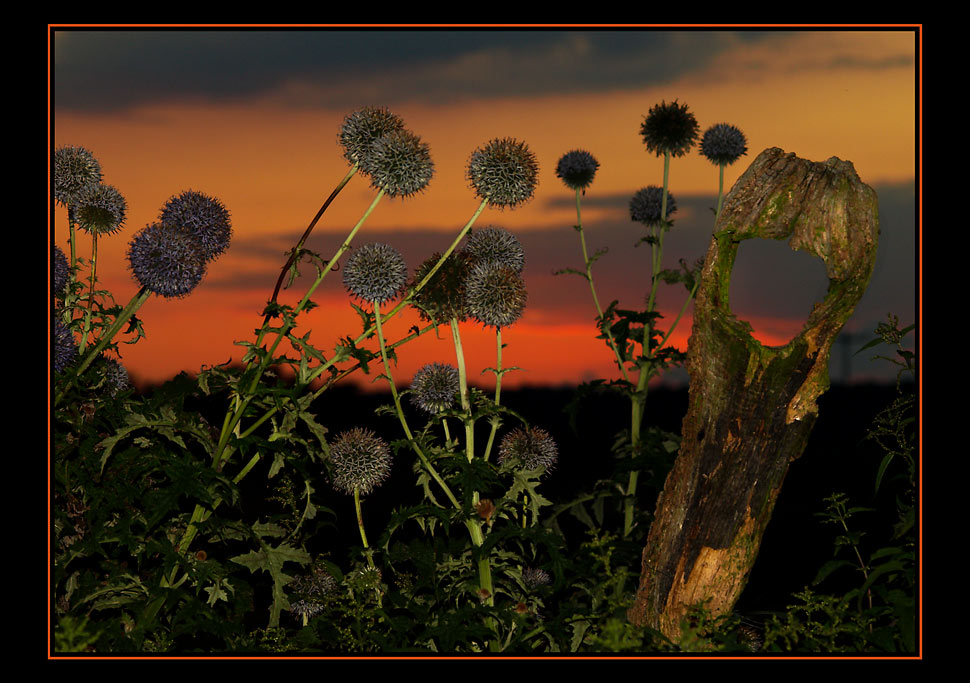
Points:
point(359, 460)
point(669, 128)
point(435, 387)
point(61, 269)
point(504, 172)
point(576, 169)
point(99, 209)
point(723, 144)
point(485, 509)
point(65, 348)
point(375, 272)
point(398, 163)
point(646, 205)
point(74, 167)
point(166, 261)
point(361, 128)
point(529, 448)
point(495, 295)
point(204, 218)
point(496, 245)
point(443, 297)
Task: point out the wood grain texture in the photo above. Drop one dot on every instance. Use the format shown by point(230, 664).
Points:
point(752, 407)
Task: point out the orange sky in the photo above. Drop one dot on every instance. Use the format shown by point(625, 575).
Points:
point(272, 164)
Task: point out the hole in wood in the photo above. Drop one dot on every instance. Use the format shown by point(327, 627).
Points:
point(773, 288)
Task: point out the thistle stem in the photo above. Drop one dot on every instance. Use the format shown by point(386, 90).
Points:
point(140, 297)
point(496, 420)
point(639, 398)
point(363, 539)
point(465, 397)
point(592, 288)
point(400, 412)
point(87, 314)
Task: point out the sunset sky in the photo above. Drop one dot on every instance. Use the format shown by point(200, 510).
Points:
point(251, 117)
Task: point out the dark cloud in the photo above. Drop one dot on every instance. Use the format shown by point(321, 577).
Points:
point(100, 70)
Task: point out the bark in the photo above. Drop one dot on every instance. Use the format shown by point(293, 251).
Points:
point(751, 407)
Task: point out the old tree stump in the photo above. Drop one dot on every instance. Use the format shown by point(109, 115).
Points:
point(751, 407)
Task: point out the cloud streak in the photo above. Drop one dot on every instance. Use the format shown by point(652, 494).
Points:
point(116, 70)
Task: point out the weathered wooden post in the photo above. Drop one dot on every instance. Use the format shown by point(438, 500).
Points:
point(751, 407)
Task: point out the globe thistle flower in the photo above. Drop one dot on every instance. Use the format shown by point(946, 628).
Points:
point(360, 460)
point(99, 209)
point(375, 272)
point(443, 296)
point(65, 348)
point(365, 579)
point(116, 376)
point(497, 245)
point(166, 261)
point(530, 448)
point(74, 167)
point(434, 387)
point(723, 144)
point(576, 169)
point(361, 128)
point(203, 217)
point(494, 294)
point(504, 172)
point(310, 591)
point(61, 269)
point(645, 206)
point(533, 577)
point(399, 163)
point(669, 128)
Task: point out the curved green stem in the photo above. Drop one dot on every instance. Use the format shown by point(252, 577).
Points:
point(363, 539)
point(496, 420)
point(295, 254)
point(136, 302)
point(400, 413)
point(466, 405)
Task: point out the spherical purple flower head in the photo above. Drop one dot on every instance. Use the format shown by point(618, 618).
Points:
point(529, 448)
point(443, 297)
point(576, 169)
point(100, 209)
point(723, 144)
point(398, 163)
point(65, 348)
point(669, 128)
point(61, 269)
point(360, 460)
point(74, 167)
point(533, 577)
point(645, 206)
point(203, 217)
point(165, 260)
point(116, 376)
point(494, 294)
point(496, 245)
point(375, 272)
point(361, 128)
point(504, 172)
point(434, 387)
